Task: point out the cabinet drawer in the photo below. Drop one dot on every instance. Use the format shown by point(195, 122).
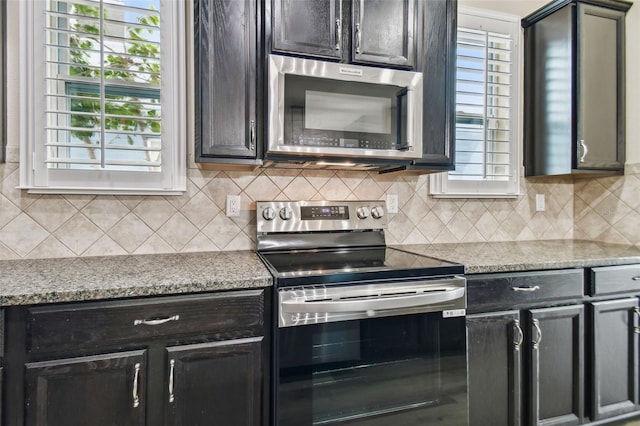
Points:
point(485, 292)
point(615, 279)
point(87, 326)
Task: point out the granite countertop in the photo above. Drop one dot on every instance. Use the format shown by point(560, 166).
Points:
point(25, 282)
point(480, 258)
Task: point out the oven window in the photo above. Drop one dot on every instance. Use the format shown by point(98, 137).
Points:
point(404, 370)
point(334, 113)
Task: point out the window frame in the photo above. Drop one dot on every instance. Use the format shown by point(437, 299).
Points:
point(36, 177)
point(440, 185)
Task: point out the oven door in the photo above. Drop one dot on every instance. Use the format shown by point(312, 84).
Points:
point(329, 109)
point(377, 369)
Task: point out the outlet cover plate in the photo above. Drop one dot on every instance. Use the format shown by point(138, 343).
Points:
point(233, 205)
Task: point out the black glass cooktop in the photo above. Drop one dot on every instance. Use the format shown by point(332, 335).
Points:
point(353, 264)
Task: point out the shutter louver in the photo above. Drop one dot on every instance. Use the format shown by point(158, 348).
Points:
point(102, 62)
point(484, 106)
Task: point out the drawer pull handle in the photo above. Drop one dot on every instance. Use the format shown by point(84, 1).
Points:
point(172, 364)
point(136, 374)
point(636, 278)
point(536, 325)
point(156, 321)
point(528, 289)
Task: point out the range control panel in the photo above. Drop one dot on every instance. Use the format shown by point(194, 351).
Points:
point(309, 216)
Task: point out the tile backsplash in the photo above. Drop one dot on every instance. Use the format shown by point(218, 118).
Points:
point(39, 226)
point(608, 209)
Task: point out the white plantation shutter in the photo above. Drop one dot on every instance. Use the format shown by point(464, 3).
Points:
point(487, 108)
point(108, 95)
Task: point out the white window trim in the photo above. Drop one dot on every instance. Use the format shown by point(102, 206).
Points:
point(36, 178)
point(439, 184)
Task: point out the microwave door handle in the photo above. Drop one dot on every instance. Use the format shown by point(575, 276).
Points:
point(401, 94)
point(364, 305)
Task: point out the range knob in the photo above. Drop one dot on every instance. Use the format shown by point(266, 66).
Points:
point(286, 213)
point(362, 212)
point(377, 212)
point(268, 213)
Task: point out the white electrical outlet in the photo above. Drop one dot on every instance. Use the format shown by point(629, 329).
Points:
point(233, 205)
point(540, 202)
point(392, 203)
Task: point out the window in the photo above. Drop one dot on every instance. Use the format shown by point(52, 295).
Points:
point(487, 108)
point(104, 96)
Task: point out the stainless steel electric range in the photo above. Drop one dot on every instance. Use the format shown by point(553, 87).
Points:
point(366, 334)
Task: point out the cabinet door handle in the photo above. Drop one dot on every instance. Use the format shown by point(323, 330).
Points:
point(527, 289)
point(338, 34)
point(519, 334)
point(172, 365)
point(252, 134)
point(585, 150)
point(636, 311)
point(636, 278)
point(536, 342)
point(358, 38)
point(136, 376)
point(156, 321)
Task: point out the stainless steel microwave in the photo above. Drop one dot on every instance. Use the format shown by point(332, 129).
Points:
point(320, 110)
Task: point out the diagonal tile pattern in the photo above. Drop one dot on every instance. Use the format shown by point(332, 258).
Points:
point(34, 226)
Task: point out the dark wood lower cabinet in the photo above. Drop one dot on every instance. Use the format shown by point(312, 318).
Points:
point(556, 370)
point(101, 390)
point(182, 360)
point(215, 383)
point(614, 358)
point(495, 362)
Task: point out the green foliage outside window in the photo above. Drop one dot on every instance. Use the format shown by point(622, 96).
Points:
point(128, 109)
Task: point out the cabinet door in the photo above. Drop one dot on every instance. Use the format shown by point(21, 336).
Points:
point(101, 390)
point(556, 377)
point(383, 32)
point(600, 88)
point(437, 61)
point(614, 352)
point(495, 360)
point(308, 27)
point(225, 82)
point(218, 380)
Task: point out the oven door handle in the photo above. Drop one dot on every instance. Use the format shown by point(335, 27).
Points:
point(364, 304)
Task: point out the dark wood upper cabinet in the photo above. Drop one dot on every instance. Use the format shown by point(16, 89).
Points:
point(379, 32)
point(574, 118)
point(383, 32)
point(436, 59)
point(308, 27)
point(227, 96)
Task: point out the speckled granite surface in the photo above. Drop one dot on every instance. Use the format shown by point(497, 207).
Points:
point(491, 257)
point(25, 282)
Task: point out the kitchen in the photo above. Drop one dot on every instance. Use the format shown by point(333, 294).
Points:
point(34, 226)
